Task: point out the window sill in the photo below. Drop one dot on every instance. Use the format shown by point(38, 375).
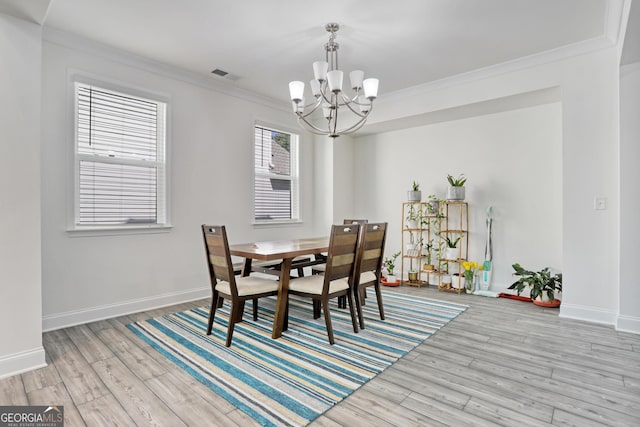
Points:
point(276, 223)
point(88, 231)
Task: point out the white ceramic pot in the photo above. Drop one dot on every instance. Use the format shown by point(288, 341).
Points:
point(451, 253)
point(446, 278)
point(456, 282)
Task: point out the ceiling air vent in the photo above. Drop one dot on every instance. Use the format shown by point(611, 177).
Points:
point(219, 72)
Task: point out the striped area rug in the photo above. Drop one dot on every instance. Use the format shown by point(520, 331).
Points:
point(292, 380)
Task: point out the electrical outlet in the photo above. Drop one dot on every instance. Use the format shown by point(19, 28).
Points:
point(600, 203)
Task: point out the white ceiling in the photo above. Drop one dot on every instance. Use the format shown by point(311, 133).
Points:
point(265, 44)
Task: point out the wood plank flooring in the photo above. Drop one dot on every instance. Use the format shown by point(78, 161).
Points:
point(502, 362)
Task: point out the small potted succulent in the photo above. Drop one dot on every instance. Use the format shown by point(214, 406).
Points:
point(543, 285)
point(390, 265)
point(414, 195)
point(456, 187)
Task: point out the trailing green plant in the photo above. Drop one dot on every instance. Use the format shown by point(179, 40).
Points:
point(415, 186)
point(451, 242)
point(412, 214)
point(541, 282)
point(457, 182)
point(390, 262)
point(429, 248)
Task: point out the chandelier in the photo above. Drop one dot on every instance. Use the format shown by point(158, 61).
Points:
point(326, 87)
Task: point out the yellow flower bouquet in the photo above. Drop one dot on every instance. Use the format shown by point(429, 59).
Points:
point(470, 268)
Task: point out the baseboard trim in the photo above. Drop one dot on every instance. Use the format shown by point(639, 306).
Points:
point(590, 314)
point(92, 314)
point(17, 363)
point(628, 324)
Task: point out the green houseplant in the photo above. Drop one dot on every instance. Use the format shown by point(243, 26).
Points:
point(456, 187)
point(543, 285)
point(390, 265)
point(451, 248)
point(414, 195)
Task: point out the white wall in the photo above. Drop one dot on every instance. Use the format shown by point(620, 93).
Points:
point(513, 162)
point(629, 316)
point(588, 87)
point(85, 278)
point(20, 269)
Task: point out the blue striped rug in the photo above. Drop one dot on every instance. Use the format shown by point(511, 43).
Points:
point(294, 379)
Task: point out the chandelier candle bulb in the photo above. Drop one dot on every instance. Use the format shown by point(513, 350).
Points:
point(320, 69)
point(356, 77)
point(315, 88)
point(365, 104)
point(334, 78)
point(326, 110)
point(296, 90)
point(370, 88)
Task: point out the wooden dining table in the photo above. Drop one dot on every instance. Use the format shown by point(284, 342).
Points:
point(285, 250)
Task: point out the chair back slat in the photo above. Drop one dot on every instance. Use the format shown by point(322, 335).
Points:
point(343, 244)
point(371, 247)
point(355, 221)
point(218, 256)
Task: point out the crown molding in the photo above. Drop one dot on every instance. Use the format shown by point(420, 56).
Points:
point(71, 41)
point(630, 68)
point(525, 62)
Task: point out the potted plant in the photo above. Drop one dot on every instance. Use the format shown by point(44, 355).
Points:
point(412, 218)
point(433, 208)
point(414, 195)
point(426, 251)
point(543, 285)
point(456, 187)
point(451, 250)
point(390, 265)
point(413, 275)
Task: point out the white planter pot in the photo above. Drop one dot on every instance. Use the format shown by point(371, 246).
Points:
point(451, 253)
point(391, 278)
point(412, 223)
point(456, 282)
point(455, 193)
point(446, 278)
point(433, 279)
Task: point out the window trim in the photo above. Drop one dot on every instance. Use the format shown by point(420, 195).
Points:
point(77, 230)
point(294, 177)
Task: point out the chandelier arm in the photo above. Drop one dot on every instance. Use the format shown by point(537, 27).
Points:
point(310, 127)
point(357, 125)
point(315, 107)
point(357, 113)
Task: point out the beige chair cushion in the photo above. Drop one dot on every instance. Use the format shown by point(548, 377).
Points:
point(249, 286)
point(313, 285)
point(367, 276)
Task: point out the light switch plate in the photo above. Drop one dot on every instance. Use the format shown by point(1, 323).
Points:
point(600, 203)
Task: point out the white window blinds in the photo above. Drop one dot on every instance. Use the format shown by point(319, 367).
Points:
point(276, 175)
point(120, 158)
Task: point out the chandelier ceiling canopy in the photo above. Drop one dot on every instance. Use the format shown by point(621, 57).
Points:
point(328, 96)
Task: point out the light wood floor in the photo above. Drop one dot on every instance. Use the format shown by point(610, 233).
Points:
point(502, 362)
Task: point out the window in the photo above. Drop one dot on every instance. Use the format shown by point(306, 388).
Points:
point(120, 169)
point(276, 175)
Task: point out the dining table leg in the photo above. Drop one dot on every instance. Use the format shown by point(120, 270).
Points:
point(281, 304)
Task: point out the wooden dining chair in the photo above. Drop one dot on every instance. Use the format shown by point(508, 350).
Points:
point(336, 281)
point(225, 285)
point(368, 267)
point(320, 268)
